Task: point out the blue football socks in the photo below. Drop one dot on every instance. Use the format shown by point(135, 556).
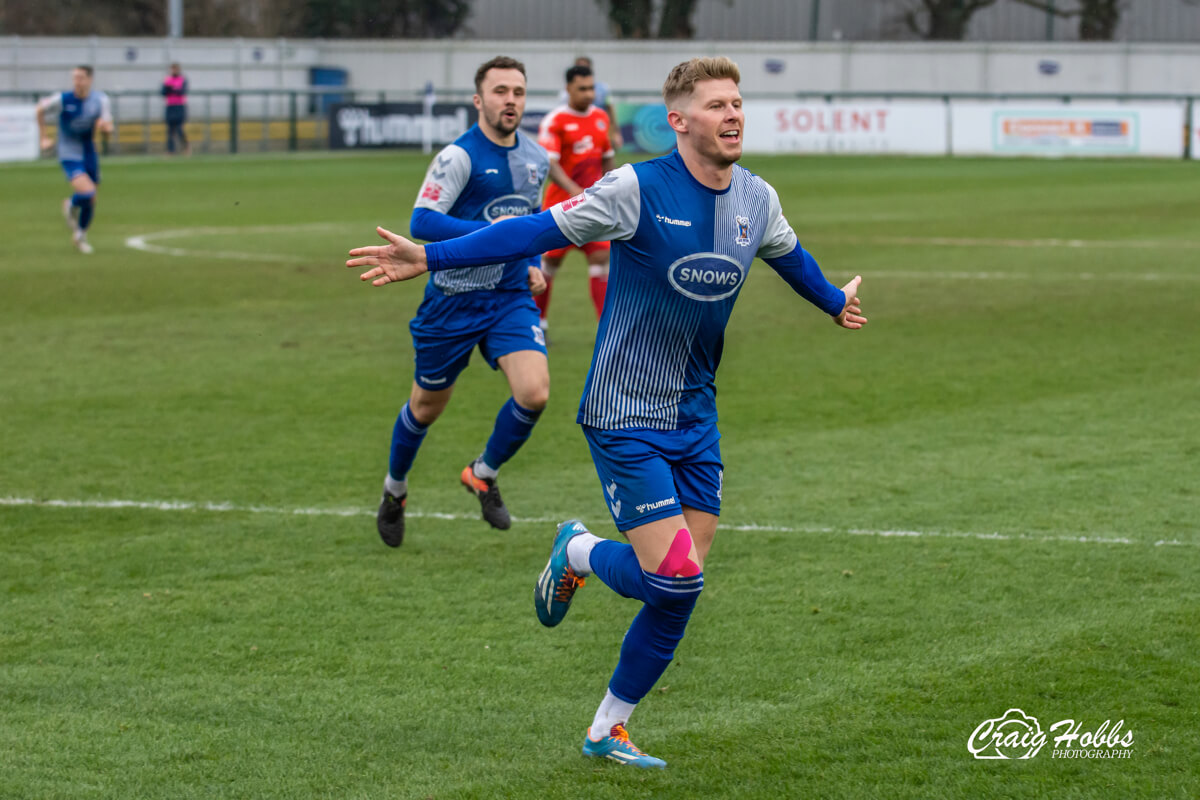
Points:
point(513, 426)
point(407, 436)
point(85, 202)
point(658, 628)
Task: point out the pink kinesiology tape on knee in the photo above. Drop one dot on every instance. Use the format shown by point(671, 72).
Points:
point(677, 562)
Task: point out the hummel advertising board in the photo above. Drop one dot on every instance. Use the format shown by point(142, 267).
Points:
point(1018, 129)
point(18, 133)
point(846, 127)
point(374, 125)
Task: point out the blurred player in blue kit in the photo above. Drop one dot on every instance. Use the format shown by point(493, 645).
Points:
point(685, 229)
point(490, 173)
point(81, 112)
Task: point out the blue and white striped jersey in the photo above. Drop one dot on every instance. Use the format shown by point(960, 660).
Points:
point(77, 118)
point(476, 179)
point(680, 256)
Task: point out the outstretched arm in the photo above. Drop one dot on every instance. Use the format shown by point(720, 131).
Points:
point(802, 273)
point(503, 241)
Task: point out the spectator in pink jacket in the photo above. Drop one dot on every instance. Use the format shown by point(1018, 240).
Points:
point(174, 89)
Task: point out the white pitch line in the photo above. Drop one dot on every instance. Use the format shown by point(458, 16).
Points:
point(185, 505)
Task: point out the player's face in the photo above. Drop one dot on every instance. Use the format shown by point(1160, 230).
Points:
point(501, 101)
point(715, 120)
point(581, 93)
point(81, 82)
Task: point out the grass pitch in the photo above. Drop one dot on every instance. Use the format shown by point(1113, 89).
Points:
point(985, 500)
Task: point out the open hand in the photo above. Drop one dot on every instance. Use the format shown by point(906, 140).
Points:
point(398, 261)
point(851, 316)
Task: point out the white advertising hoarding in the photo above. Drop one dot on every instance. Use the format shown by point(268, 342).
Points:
point(1196, 130)
point(1059, 129)
point(18, 133)
point(845, 127)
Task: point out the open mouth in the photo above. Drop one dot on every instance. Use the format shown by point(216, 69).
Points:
point(732, 136)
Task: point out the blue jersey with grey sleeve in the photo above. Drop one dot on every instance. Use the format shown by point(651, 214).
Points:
point(470, 183)
point(77, 118)
point(680, 255)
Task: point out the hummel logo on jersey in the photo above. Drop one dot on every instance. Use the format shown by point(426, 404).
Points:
point(612, 489)
point(644, 507)
point(616, 508)
point(443, 160)
point(685, 223)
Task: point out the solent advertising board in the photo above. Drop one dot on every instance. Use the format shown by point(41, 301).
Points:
point(846, 127)
point(18, 133)
point(1016, 129)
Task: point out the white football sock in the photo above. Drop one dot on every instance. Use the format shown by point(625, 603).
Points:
point(612, 711)
point(579, 553)
point(394, 487)
point(482, 470)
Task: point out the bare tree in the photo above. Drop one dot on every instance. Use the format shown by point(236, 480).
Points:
point(1098, 19)
point(676, 20)
point(631, 19)
point(942, 20)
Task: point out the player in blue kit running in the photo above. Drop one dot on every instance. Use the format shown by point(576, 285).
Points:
point(491, 172)
point(81, 112)
point(685, 229)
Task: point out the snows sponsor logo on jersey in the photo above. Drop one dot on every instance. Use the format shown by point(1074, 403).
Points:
point(706, 276)
point(509, 205)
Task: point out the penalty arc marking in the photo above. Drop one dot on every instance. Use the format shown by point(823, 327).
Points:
point(146, 242)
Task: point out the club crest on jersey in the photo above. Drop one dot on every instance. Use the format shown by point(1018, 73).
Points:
point(743, 231)
point(534, 178)
point(706, 277)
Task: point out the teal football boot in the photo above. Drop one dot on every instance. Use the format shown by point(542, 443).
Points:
point(557, 584)
point(617, 747)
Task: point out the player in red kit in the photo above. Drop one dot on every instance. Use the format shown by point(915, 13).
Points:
point(576, 136)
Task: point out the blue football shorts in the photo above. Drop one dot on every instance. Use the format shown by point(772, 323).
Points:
point(647, 475)
point(448, 327)
point(89, 165)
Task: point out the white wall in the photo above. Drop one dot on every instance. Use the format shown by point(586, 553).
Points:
point(402, 67)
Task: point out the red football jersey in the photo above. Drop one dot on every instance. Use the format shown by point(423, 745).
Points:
point(579, 140)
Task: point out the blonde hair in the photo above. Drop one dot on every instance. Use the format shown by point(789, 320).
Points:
point(682, 80)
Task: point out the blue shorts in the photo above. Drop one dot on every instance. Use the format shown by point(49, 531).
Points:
point(90, 166)
point(647, 475)
point(448, 327)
